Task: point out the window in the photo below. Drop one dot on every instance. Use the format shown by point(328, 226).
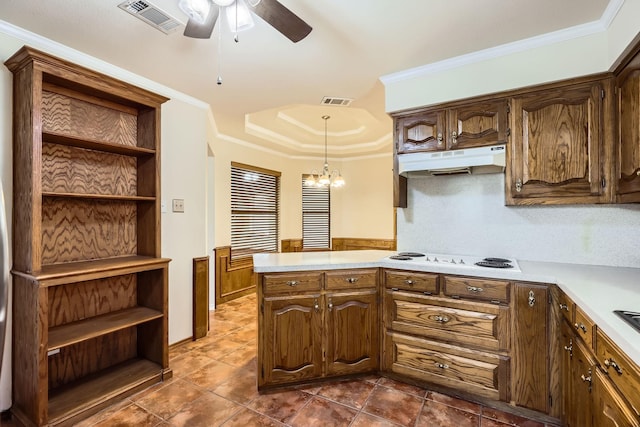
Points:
point(316, 218)
point(255, 201)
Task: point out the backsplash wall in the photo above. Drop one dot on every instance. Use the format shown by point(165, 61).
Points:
point(465, 214)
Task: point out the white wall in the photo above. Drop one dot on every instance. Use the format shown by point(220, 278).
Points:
point(465, 214)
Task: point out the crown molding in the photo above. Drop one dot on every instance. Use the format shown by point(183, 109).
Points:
point(589, 28)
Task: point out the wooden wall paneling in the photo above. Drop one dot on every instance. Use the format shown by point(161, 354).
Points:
point(200, 297)
point(83, 300)
point(78, 230)
point(75, 170)
point(233, 278)
point(291, 245)
point(357, 243)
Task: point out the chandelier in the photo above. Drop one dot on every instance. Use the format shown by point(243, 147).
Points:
point(324, 178)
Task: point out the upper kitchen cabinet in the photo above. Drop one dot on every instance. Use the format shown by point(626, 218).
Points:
point(559, 153)
point(628, 106)
point(453, 127)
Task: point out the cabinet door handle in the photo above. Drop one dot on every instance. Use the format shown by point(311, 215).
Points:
point(564, 307)
point(439, 138)
point(518, 185)
point(352, 279)
point(316, 306)
point(610, 363)
point(441, 319)
point(586, 379)
point(474, 289)
point(442, 365)
point(292, 282)
point(454, 137)
point(581, 327)
point(569, 348)
point(409, 282)
point(532, 299)
point(330, 306)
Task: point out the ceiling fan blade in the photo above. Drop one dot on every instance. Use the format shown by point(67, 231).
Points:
point(282, 19)
point(204, 30)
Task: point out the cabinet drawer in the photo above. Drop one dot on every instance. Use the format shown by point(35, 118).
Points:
point(291, 282)
point(482, 373)
point(565, 306)
point(426, 283)
point(623, 372)
point(351, 279)
point(459, 322)
point(585, 327)
point(482, 289)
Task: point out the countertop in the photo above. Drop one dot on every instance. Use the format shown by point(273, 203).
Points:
point(598, 290)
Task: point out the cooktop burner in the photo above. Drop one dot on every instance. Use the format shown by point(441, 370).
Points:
point(498, 260)
point(411, 254)
point(400, 257)
point(630, 317)
point(493, 264)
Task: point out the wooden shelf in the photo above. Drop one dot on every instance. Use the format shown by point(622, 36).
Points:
point(100, 388)
point(72, 333)
point(109, 147)
point(100, 197)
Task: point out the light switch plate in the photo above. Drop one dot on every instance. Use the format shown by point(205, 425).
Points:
point(178, 205)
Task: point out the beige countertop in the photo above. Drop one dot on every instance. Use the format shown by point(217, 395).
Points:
point(598, 290)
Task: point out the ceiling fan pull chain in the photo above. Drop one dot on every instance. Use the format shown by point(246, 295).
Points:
point(219, 79)
point(235, 37)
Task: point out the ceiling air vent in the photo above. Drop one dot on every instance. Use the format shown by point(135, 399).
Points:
point(333, 100)
point(151, 15)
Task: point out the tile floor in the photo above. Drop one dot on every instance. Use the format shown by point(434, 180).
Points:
point(214, 384)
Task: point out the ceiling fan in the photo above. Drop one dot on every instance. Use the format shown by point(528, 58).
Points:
point(203, 15)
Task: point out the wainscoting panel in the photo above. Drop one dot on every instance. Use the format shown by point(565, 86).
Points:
point(233, 278)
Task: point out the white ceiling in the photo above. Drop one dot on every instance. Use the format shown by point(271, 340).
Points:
point(272, 88)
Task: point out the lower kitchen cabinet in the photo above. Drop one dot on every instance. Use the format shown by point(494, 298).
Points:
point(611, 409)
point(312, 325)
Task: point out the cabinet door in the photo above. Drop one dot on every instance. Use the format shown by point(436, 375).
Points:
point(530, 385)
point(421, 132)
point(583, 366)
point(567, 338)
point(478, 124)
point(352, 332)
point(610, 408)
point(629, 134)
point(292, 339)
point(557, 147)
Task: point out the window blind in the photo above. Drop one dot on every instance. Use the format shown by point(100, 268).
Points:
point(316, 217)
point(255, 202)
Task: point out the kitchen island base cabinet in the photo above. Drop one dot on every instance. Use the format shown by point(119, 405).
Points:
point(314, 325)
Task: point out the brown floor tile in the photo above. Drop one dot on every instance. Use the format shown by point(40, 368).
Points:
point(403, 387)
point(99, 416)
point(242, 356)
point(132, 415)
point(366, 420)
point(488, 422)
point(509, 419)
point(352, 393)
point(208, 410)
point(188, 363)
point(384, 402)
point(219, 347)
point(212, 375)
point(249, 418)
point(455, 402)
point(321, 412)
point(221, 327)
point(167, 401)
point(282, 406)
point(241, 388)
point(436, 414)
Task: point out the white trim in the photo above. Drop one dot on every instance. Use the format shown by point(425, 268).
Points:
point(65, 52)
point(287, 118)
point(547, 39)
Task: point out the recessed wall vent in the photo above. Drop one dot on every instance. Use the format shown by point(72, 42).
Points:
point(152, 15)
point(333, 100)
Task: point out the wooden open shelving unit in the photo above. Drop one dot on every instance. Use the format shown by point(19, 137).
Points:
point(90, 287)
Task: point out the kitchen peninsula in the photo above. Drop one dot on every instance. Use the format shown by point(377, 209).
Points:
point(500, 336)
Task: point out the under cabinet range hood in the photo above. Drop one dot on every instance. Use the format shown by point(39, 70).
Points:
point(470, 160)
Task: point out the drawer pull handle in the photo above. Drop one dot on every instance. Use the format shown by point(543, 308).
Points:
point(409, 282)
point(352, 279)
point(330, 305)
point(442, 365)
point(292, 282)
point(441, 319)
point(586, 379)
point(581, 327)
point(610, 363)
point(564, 307)
point(316, 306)
point(474, 289)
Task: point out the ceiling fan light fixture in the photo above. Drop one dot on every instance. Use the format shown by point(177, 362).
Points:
point(223, 3)
point(198, 10)
point(239, 17)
